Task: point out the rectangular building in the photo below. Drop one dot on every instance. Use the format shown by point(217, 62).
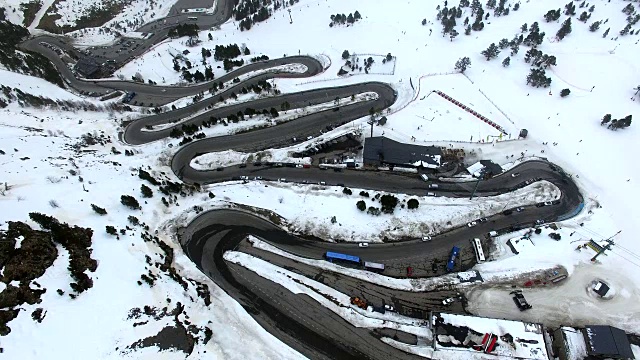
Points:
point(380, 151)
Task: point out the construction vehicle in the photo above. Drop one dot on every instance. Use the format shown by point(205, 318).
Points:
point(361, 303)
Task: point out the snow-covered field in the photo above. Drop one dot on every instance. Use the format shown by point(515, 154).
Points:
point(600, 73)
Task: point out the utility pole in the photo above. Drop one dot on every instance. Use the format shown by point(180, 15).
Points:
point(370, 122)
point(606, 247)
point(476, 188)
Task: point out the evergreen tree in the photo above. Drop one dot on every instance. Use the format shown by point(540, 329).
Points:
point(146, 191)
point(462, 64)
point(503, 44)
point(506, 62)
point(491, 4)
point(626, 29)
point(514, 49)
point(453, 34)
point(564, 30)
point(467, 31)
point(345, 54)
point(516, 6)
point(595, 26)
point(606, 33)
point(606, 119)
point(523, 28)
point(491, 52)
point(565, 92)
point(629, 9)
point(357, 16)
point(584, 16)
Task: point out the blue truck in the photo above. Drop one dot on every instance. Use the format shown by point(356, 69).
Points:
point(333, 256)
point(455, 251)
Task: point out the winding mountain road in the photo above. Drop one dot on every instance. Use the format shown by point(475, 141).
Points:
point(295, 319)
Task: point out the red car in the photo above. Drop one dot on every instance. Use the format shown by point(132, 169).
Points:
point(409, 271)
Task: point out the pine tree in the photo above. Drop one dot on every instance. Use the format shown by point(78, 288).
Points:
point(453, 34)
point(606, 119)
point(595, 26)
point(564, 30)
point(467, 31)
point(491, 4)
point(462, 64)
point(516, 7)
point(491, 52)
point(565, 92)
point(606, 33)
point(503, 44)
point(523, 28)
point(626, 29)
point(584, 16)
point(345, 54)
point(506, 62)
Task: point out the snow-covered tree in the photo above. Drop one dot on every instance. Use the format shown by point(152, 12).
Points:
point(462, 64)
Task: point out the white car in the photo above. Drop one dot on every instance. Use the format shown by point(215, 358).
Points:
point(244, 178)
point(548, 203)
point(515, 174)
point(363, 245)
point(426, 238)
point(389, 307)
point(448, 301)
point(472, 224)
point(282, 180)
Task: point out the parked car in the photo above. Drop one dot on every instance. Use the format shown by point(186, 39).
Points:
point(257, 163)
point(242, 165)
point(323, 183)
point(389, 308)
point(431, 194)
point(363, 245)
point(409, 271)
point(519, 209)
point(515, 174)
point(448, 301)
point(257, 178)
point(482, 220)
point(282, 180)
point(472, 224)
point(548, 203)
point(219, 168)
point(426, 238)
point(507, 212)
point(299, 165)
point(520, 301)
point(244, 178)
point(539, 222)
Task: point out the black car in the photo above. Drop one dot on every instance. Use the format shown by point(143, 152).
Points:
point(219, 168)
point(242, 166)
point(520, 301)
point(507, 212)
point(257, 163)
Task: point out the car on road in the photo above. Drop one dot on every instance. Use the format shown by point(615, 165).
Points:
point(363, 245)
point(220, 168)
point(257, 163)
point(426, 238)
point(164, 90)
point(472, 224)
point(389, 308)
point(434, 267)
point(244, 178)
point(257, 178)
point(409, 271)
point(520, 301)
point(323, 183)
point(548, 203)
point(482, 220)
point(539, 222)
point(431, 194)
point(507, 212)
point(299, 165)
point(448, 301)
point(515, 174)
point(519, 209)
point(282, 180)
point(242, 165)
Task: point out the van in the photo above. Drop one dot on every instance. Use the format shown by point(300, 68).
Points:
point(433, 186)
point(424, 177)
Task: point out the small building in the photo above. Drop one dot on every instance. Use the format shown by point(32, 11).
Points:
point(484, 168)
point(607, 342)
point(379, 150)
point(87, 67)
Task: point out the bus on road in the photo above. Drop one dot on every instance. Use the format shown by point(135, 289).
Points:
point(332, 256)
point(455, 251)
point(477, 247)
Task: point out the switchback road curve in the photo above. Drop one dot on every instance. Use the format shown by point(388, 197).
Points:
point(304, 324)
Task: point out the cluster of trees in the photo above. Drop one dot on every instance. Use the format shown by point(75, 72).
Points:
point(184, 30)
point(231, 51)
point(198, 76)
point(491, 52)
point(570, 9)
point(341, 19)
point(130, 202)
point(462, 64)
point(552, 15)
point(538, 78)
point(30, 63)
point(262, 15)
point(188, 129)
point(538, 58)
point(615, 124)
point(535, 37)
point(259, 58)
point(228, 65)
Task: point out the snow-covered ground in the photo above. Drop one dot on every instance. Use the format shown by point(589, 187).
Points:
point(600, 157)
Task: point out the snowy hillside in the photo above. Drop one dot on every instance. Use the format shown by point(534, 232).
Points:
point(61, 159)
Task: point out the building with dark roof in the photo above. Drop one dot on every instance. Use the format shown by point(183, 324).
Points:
point(87, 67)
point(484, 168)
point(601, 288)
point(607, 342)
point(379, 150)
